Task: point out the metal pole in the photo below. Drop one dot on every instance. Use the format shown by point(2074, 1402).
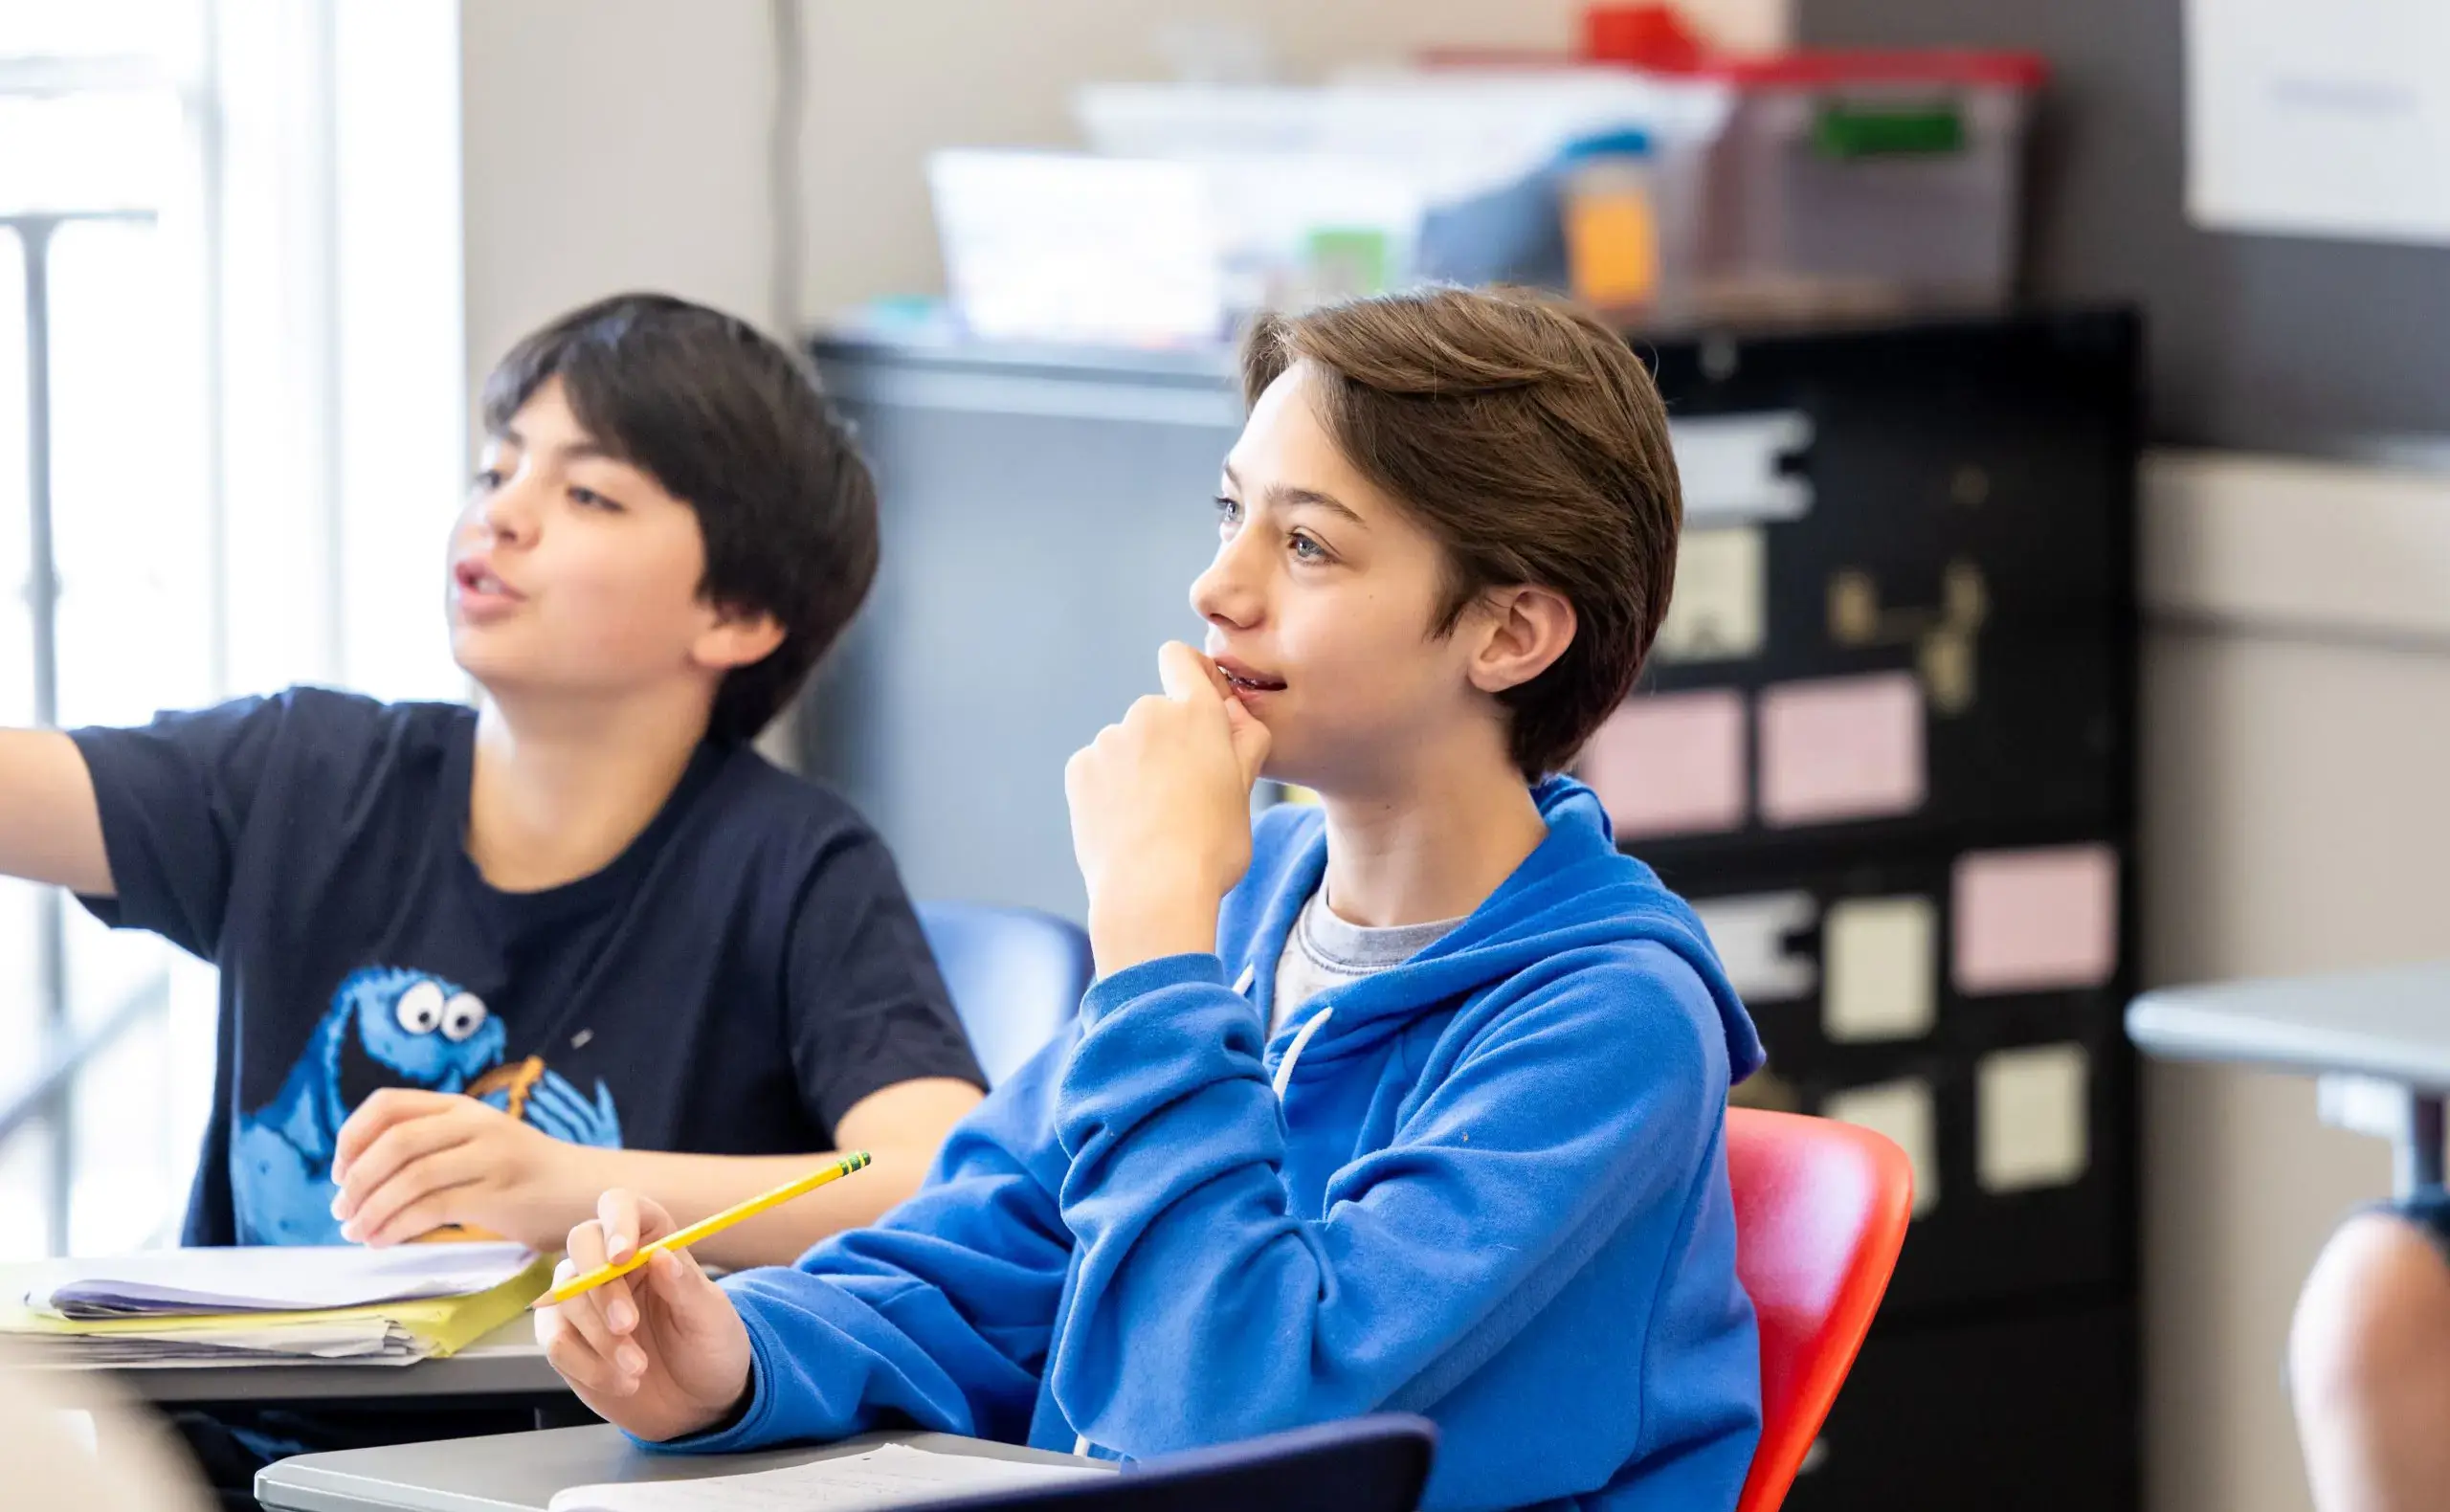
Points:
point(43, 585)
point(42, 591)
point(2418, 1156)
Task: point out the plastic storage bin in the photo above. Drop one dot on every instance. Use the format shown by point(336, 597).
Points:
point(1470, 175)
point(1872, 175)
point(1847, 176)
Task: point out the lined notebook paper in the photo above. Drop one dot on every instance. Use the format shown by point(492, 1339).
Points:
point(888, 1476)
point(276, 1278)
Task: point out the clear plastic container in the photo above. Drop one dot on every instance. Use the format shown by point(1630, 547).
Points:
point(1487, 160)
point(1799, 184)
point(1861, 176)
point(1630, 212)
point(1844, 178)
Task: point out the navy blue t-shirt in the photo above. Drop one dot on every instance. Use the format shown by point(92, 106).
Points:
point(747, 970)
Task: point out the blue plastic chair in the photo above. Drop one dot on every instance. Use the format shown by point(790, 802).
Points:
point(1016, 975)
point(1362, 1465)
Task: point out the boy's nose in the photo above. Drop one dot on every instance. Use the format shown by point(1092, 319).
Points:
point(1224, 594)
point(508, 515)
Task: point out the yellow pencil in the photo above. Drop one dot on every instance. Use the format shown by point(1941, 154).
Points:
point(682, 1238)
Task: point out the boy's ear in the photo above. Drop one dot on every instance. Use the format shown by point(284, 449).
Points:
point(737, 638)
point(1528, 630)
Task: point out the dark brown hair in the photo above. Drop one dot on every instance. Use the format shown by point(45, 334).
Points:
point(734, 426)
point(1530, 442)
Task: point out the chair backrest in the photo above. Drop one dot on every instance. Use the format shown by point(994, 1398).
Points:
point(1821, 1213)
point(1363, 1464)
point(1016, 975)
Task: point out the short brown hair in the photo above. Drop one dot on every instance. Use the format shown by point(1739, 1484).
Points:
point(1529, 440)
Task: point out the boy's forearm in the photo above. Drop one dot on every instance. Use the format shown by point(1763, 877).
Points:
point(50, 826)
point(901, 1126)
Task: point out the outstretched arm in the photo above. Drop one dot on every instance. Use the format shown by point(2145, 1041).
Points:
point(50, 828)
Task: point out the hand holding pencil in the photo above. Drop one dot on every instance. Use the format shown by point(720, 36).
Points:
point(656, 1348)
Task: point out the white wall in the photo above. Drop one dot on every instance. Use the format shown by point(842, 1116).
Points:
point(398, 350)
point(888, 82)
point(2296, 712)
point(613, 145)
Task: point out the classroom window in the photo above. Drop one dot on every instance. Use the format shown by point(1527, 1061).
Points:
point(107, 535)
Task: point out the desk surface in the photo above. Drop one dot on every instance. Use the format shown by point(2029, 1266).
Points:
point(521, 1472)
point(2392, 1024)
point(506, 1363)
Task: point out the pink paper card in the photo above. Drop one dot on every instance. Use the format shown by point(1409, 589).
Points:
point(1841, 748)
point(2036, 921)
point(1671, 764)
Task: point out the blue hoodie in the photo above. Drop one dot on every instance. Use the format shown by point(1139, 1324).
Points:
point(1489, 1185)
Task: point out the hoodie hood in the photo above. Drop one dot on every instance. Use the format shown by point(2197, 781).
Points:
point(1575, 893)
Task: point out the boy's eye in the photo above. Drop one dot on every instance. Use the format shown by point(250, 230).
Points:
point(487, 478)
point(1228, 511)
point(590, 498)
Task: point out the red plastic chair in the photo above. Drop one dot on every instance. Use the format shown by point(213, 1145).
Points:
point(1821, 1213)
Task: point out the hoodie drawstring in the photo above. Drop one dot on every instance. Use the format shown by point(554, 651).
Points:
point(1293, 1051)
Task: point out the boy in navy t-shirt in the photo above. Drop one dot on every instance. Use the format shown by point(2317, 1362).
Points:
point(478, 964)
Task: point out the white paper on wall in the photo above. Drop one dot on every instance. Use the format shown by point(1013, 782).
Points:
point(2330, 119)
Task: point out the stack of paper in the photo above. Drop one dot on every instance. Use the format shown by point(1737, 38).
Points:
point(273, 1305)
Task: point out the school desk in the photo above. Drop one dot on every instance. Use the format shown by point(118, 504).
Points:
point(505, 1367)
point(521, 1472)
point(2379, 1040)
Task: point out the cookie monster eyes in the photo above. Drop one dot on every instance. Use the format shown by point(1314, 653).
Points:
point(422, 1009)
point(464, 1015)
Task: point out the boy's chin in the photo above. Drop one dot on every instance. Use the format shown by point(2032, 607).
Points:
point(495, 669)
point(1287, 768)
point(478, 661)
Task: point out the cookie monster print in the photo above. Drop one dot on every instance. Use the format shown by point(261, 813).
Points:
point(386, 1026)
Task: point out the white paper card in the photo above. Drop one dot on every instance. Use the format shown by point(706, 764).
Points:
point(1882, 959)
point(2320, 119)
point(1718, 609)
point(2029, 1119)
point(1902, 1111)
point(1751, 934)
point(888, 1476)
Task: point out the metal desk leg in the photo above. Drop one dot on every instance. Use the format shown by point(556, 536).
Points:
point(2409, 1119)
point(2418, 1155)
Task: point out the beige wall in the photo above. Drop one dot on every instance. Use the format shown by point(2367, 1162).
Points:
point(2296, 711)
point(610, 145)
point(889, 82)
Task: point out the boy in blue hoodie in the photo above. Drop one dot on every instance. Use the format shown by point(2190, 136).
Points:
point(1414, 1100)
